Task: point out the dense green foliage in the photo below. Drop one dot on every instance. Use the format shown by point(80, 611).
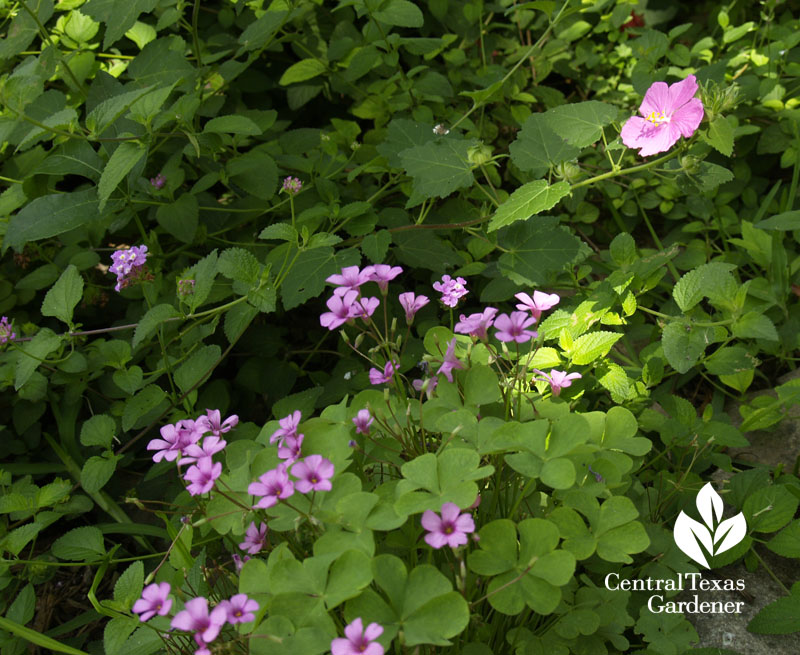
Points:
point(468, 138)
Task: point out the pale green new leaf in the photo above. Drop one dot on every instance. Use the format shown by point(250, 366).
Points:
point(713, 281)
point(529, 199)
point(303, 70)
point(118, 17)
point(589, 347)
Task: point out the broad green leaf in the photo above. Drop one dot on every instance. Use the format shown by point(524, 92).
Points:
point(38, 638)
point(129, 586)
point(684, 344)
point(401, 13)
point(558, 473)
point(785, 221)
point(61, 299)
point(623, 249)
point(713, 281)
point(180, 218)
point(529, 199)
point(233, 124)
point(109, 110)
point(730, 361)
point(151, 320)
point(787, 542)
point(303, 70)
point(141, 34)
point(99, 430)
point(481, 386)
point(306, 279)
point(589, 347)
point(237, 319)
point(536, 250)
point(161, 63)
point(580, 123)
point(259, 33)
point(780, 617)
point(770, 508)
point(616, 544)
point(196, 367)
point(118, 18)
point(255, 172)
point(79, 544)
point(439, 167)
point(416, 249)
point(240, 265)
point(720, 135)
point(537, 147)
point(49, 216)
point(279, 231)
point(23, 28)
point(32, 353)
point(97, 471)
point(203, 274)
point(148, 401)
point(125, 157)
point(24, 606)
point(75, 157)
point(403, 134)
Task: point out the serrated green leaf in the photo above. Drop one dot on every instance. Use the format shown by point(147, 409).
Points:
point(259, 33)
point(129, 586)
point(24, 29)
point(589, 347)
point(240, 265)
point(237, 319)
point(180, 218)
point(780, 617)
point(403, 134)
point(720, 135)
point(537, 147)
point(118, 18)
point(303, 70)
point(196, 367)
point(125, 157)
point(61, 299)
point(306, 279)
point(109, 110)
point(32, 354)
point(787, 542)
point(528, 200)
point(49, 216)
point(713, 281)
point(785, 221)
point(79, 544)
point(580, 123)
point(97, 471)
point(439, 167)
point(99, 430)
point(233, 124)
point(684, 344)
point(203, 273)
point(151, 320)
point(146, 401)
point(401, 13)
point(279, 231)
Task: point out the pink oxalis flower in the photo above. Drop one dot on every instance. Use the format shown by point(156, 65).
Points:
point(350, 278)
point(196, 618)
point(476, 325)
point(154, 601)
point(412, 304)
point(194, 453)
point(289, 448)
point(362, 421)
point(239, 609)
point(342, 308)
point(213, 423)
point(383, 274)
point(313, 473)
point(558, 380)
point(537, 304)
point(359, 641)
point(271, 486)
point(668, 113)
point(378, 377)
point(452, 290)
point(513, 327)
point(202, 475)
point(450, 361)
point(254, 538)
point(288, 426)
point(449, 529)
point(175, 438)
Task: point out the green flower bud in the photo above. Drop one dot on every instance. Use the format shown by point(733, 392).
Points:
point(479, 155)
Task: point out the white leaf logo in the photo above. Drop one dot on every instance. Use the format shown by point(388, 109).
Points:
point(716, 536)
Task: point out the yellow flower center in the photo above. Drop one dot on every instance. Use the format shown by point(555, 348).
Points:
point(657, 117)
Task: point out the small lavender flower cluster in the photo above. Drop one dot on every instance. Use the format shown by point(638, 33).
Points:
point(195, 618)
point(6, 333)
point(185, 287)
point(292, 185)
point(183, 439)
point(128, 266)
point(312, 473)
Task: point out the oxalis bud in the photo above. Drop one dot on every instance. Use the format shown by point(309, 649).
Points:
point(568, 171)
point(479, 155)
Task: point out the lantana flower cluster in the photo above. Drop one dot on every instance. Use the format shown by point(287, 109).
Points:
point(195, 441)
point(203, 624)
point(129, 266)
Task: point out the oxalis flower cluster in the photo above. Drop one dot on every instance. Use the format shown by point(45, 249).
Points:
point(183, 439)
point(196, 619)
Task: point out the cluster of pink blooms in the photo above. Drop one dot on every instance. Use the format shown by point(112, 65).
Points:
point(6, 333)
point(452, 290)
point(195, 617)
point(509, 327)
point(183, 439)
point(312, 473)
point(347, 303)
point(667, 114)
point(292, 185)
point(128, 266)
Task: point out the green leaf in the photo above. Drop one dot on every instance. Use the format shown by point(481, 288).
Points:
point(117, 18)
point(439, 167)
point(616, 544)
point(109, 110)
point(203, 273)
point(237, 319)
point(589, 347)
point(580, 123)
point(684, 343)
point(303, 70)
point(97, 471)
point(418, 250)
point(536, 250)
point(79, 544)
point(403, 134)
point(151, 320)
point(125, 157)
point(240, 265)
point(196, 367)
point(730, 360)
point(255, 172)
point(279, 231)
point(148, 401)
point(99, 430)
point(787, 542)
point(770, 508)
point(141, 34)
point(38, 638)
point(623, 249)
point(75, 157)
point(537, 147)
point(481, 386)
point(128, 379)
point(558, 473)
point(306, 279)
point(161, 63)
point(375, 245)
point(785, 221)
point(180, 218)
point(529, 199)
point(720, 135)
point(713, 281)
point(259, 33)
point(401, 13)
point(778, 618)
point(233, 124)
point(49, 216)
point(32, 354)
point(348, 575)
point(129, 586)
point(754, 325)
point(61, 299)
point(23, 29)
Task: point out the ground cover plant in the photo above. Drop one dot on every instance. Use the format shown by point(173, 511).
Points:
point(378, 326)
